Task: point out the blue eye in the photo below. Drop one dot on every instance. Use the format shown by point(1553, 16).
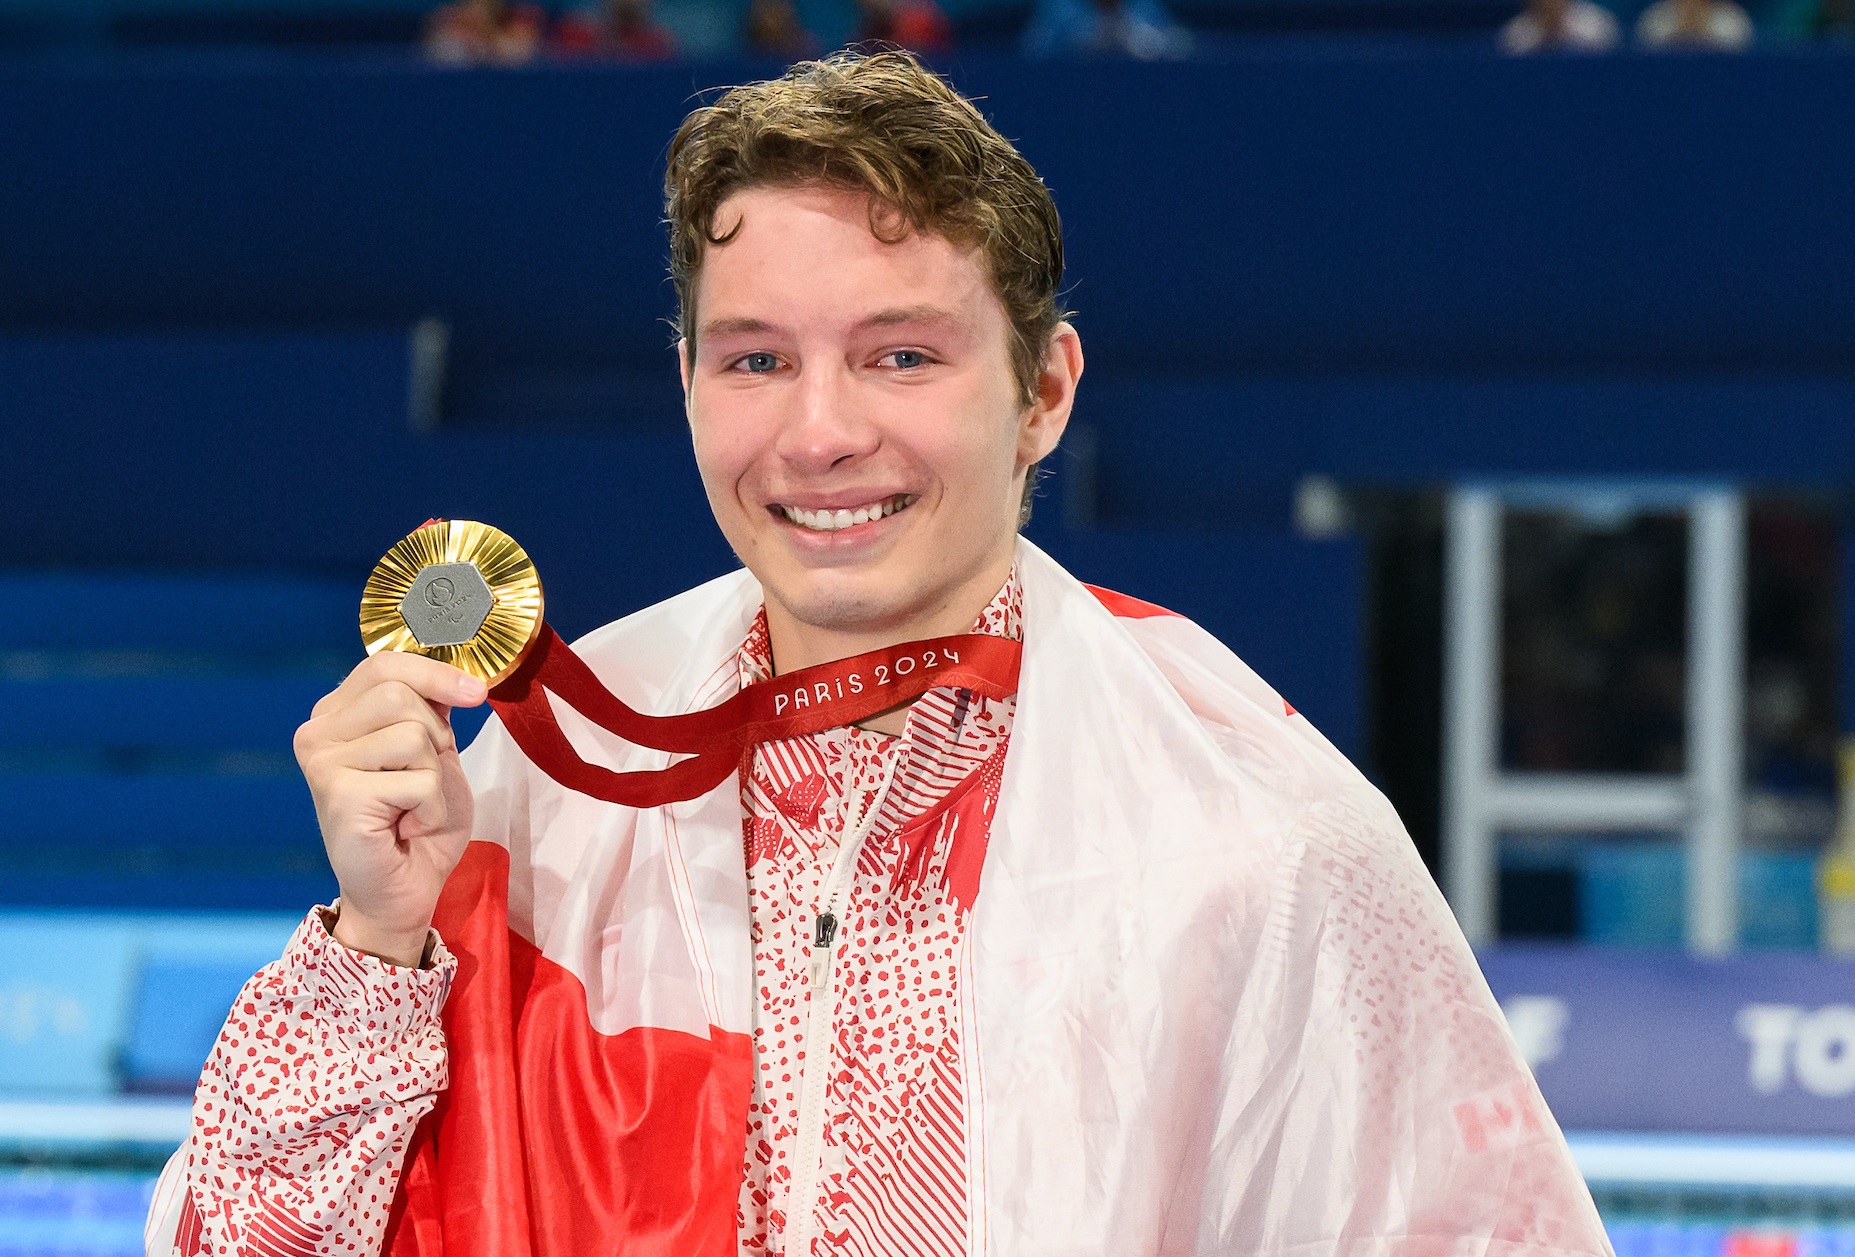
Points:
point(907, 359)
point(760, 363)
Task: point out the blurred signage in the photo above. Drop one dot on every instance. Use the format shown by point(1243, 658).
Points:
point(94, 1003)
point(63, 1002)
point(1756, 1044)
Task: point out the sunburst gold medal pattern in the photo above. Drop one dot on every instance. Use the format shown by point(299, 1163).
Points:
point(514, 619)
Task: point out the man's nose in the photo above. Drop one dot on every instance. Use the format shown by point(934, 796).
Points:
point(827, 423)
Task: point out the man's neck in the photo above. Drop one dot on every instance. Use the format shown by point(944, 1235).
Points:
point(798, 645)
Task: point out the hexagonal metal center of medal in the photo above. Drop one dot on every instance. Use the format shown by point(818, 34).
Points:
point(447, 604)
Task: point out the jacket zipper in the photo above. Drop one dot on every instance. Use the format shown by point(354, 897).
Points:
point(820, 1042)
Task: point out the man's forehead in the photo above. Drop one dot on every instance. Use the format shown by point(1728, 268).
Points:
point(755, 211)
point(809, 255)
point(835, 199)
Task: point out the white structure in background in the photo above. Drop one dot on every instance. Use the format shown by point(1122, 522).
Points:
point(1480, 800)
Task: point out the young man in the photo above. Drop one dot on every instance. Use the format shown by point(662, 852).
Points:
point(1121, 958)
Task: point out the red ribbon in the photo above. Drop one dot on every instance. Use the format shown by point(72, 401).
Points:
point(714, 738)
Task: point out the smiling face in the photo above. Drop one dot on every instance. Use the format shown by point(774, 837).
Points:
point(857, 424)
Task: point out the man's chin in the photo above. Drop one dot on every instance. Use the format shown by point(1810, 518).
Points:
point(844, 606)
point(845, 614)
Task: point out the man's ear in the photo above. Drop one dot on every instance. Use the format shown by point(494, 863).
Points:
point(684, 368)
point(1047, 416)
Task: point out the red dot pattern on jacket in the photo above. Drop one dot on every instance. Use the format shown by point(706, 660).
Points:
point(893, 1178)
point(312, 1034)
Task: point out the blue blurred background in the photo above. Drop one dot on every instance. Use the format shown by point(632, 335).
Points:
point(278, 282)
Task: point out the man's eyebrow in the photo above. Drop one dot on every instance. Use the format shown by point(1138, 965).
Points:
point(733, 327)
point(910, 314)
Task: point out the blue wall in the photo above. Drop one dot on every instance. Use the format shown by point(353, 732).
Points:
point(1391, 212)
point(292, 452)
point(1386, 266)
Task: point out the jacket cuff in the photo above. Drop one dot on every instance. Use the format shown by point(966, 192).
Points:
point(364, 1000)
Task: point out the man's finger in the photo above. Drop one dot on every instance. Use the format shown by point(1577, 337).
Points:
point(410, 790)
point(437, 682)
point(405, 745)
point(385, 705)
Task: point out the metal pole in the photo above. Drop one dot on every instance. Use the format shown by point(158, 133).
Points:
point(1471, 708)
point(1715, 716)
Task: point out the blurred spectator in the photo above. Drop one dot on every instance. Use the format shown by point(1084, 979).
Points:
point(476, 32)
point(622, 30)
point(1126, 28)
point(773, 28)
point(1676, 25)
point(917, 25)
point(1560, 26)
point(1815, 19)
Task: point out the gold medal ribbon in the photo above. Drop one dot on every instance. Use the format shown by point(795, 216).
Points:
point(714, 739)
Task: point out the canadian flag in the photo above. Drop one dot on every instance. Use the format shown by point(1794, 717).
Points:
point(1213, 1003)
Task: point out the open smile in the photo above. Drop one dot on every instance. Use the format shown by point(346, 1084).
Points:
point(828, 520)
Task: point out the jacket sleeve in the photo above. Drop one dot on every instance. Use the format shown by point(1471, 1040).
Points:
point(303, 1112)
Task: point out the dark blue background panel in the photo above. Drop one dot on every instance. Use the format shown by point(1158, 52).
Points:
point(160, 841)
point(226, 883)
point(293, 454)
point(76, 813)
point(167, 613)
point(190, 712)
point(1289, 608)
point(1290, 211)
point(1184, 450)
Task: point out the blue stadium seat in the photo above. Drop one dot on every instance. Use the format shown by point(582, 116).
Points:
point(191, 615)
point(194, 711)
point(145, 728)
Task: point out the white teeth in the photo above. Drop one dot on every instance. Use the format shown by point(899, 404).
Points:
point(833, 521)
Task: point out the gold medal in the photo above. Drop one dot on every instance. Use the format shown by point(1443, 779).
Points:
point(459, 591)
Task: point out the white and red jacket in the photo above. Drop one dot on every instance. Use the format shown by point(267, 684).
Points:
point(1200, 998)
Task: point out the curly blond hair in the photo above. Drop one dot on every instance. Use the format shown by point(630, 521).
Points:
point(881, 123)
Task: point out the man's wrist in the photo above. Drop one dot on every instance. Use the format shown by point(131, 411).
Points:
point(356, 933)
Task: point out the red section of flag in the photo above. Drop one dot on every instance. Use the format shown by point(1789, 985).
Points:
point(1129, 608)
point(554, 1138)
point(1288, 708)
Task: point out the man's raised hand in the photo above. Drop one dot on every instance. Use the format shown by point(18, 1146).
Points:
point(390, 795)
